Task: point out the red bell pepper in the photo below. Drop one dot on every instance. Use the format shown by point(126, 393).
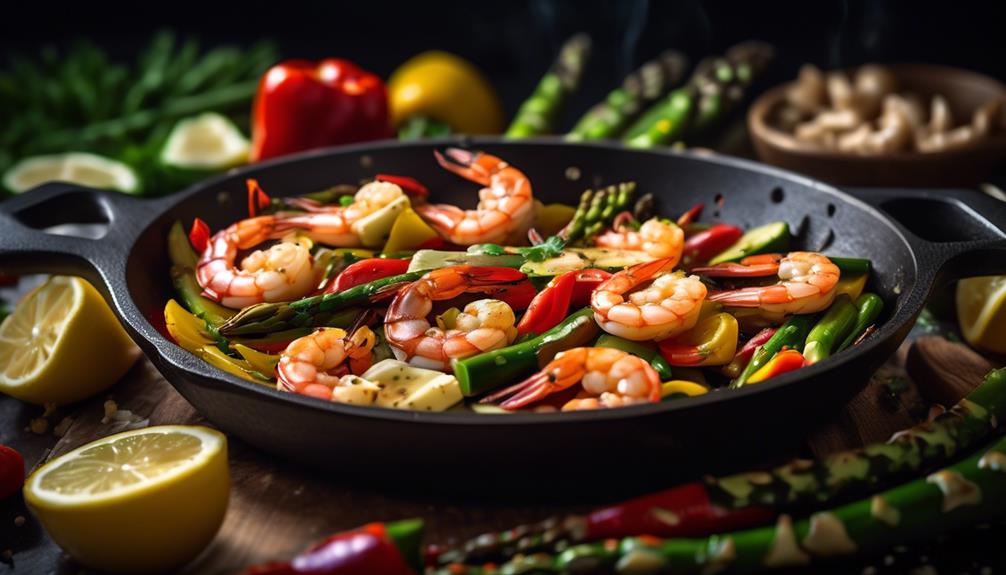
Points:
point(411, 186)
point(518, 296)
point(199, 235)
point(302, 105)
point(785, 361)
point(703, 246)
point(368, 550)
point(743, 357)
point(552, 304)
point(366, 271)
point(11, 471)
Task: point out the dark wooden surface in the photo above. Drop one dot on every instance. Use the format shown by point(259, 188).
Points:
point(277, 508)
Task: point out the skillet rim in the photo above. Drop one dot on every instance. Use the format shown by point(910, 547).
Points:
point(180, 359)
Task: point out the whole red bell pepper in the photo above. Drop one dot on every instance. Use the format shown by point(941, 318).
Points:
point(368, 550)
point(302, 105)
point(366, 271)
point(552, 304)
point(11, 471)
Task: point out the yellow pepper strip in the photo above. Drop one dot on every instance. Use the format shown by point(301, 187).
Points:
point(264, 363)
point(681, 387)
point(713, 341)
point(785, 361)
point(408, 233)
point(852, 285)
point(189, 332)
point(549, 219)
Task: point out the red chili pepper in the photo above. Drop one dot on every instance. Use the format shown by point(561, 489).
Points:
point(682, 511)
point(11, 471)
point(785, 361)
point(366, 271)
point(302, 105)
point(257, 199)
point(754, 343)
point(552, 304)
point(690, 216)
point(411, 186)
point(199, 235)
point(705, 245)
point(363, 551)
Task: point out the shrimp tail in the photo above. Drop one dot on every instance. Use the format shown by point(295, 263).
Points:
point(492, 276)
point(387, 291)
point(463, 163)
point(532, 389)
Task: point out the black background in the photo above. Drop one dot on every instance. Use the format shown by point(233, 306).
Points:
point(514, 42)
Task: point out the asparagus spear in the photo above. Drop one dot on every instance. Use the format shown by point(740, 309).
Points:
point(597, 210)
point(537, 115)
point(329, 309)
point(639, 89)
point(868, 308)
point(968, 492)
point(831, 330)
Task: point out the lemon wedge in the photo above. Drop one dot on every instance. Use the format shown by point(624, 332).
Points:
point(208, 141)
point(76, 167)
point(981, 313)
point(147, 500)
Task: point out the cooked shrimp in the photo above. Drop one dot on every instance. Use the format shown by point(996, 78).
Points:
point(806, 284)
point(314, 365)
point(339, 226)
point(279, 273)
point(668, 306)
point(483, 325)
point(656, 237)
point(506, 207)
point(610, 378)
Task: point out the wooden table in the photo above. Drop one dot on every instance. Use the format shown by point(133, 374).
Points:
point(277, 508)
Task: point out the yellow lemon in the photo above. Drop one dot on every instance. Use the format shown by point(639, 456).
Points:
point(147, 500)
point(62, 344)
point(981, 313)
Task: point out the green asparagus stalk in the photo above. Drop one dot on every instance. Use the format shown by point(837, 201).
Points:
point(481, 373)
point(537, 115)
point(792, 334)
point(831, 330)
point(639, 89)
point(330, 309)
point(664, 123)
point(868, 308)
point(419, 127)
point(638, 349)
point(969, 492)
point(801, 483)
point(183, 277)
point(597, 210)
point(852, 266)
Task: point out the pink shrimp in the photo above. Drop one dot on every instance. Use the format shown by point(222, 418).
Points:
point(669, 305)
point(610, 378)
point(660, 239)
point(806, 284)
point(313, 365)
point(482, 326)
point(506, 207)
point(341, 226)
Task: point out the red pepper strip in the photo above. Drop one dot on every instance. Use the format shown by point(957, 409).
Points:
point(199, 235)
point(257, 199)
point(363, 551)
point(704, 245)
point(411, 186)
point(11, 471)
point(302, 105)
point(690, 216)
point(784, 362)
point(366, 271)
point(682, 355)
point(552, 304)
point(518, 296)
point(682, 511)
point(754, 343)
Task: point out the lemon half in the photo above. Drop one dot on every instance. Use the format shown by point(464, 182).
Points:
point(142, 501)
point(981, 312)
point(62, 344)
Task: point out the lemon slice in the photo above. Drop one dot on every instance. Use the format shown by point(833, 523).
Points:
point(50, 344)
point(208, 141)
point(981, 313)
point(142, 501)
point(76, 167)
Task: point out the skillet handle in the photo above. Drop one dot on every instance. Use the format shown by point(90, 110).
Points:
point(955, 233)
point(31, 240)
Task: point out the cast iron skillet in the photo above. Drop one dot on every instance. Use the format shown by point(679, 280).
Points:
point(914, 238)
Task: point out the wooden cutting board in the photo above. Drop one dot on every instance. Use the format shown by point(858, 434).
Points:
point(277, 508)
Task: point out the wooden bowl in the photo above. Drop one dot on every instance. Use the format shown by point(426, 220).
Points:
point(964, 90)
